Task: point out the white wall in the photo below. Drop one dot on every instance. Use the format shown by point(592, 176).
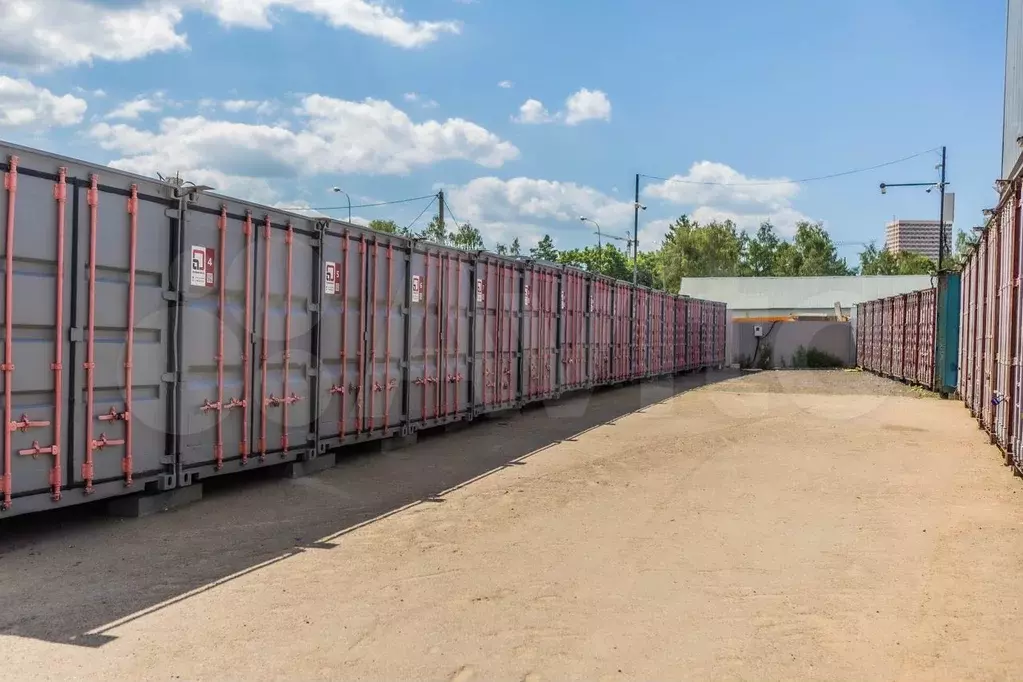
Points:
point(768, 296)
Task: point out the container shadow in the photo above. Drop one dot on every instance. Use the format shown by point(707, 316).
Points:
point(72, 575)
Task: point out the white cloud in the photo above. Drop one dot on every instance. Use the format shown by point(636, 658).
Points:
point(132, 110)
point(363, 16)
point(426, 103)
point(533, 111)
point(507, 85)
point(716, 191)
point(236, 105)
point(23, 104)
point(587, 105)
point(54, 33)
point(784, 219)
point(584, 105)
point(708, 182)
point(527, 208)
point(332, 136)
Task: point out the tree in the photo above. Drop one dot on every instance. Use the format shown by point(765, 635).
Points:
point(606, 260)
point(388, 226)
point(762, 252)
point(884, 262)
point(545, 250)
point(965, 243)
point(693, 250)
point(812, 254)
point(467, 238)
point(435, 232)
point(513, 250)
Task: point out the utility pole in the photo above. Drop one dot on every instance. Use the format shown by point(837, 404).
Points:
point(635, 235)
point(440, 213)
point(941, 218)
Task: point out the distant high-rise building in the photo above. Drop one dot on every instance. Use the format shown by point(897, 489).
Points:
point(915, 236)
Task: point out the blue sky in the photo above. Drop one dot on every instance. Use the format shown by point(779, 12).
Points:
point(278, 100)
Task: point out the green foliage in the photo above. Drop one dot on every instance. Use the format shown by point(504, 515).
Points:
point(435, 232)
point(466, 237)
point(388, 226)
point(545, 250)
point(693, 250)
point(813, 358)
point(884, 262)
point(607, 260)
point(965, 243)
point(513, 250)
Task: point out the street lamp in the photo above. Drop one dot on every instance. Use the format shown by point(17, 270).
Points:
point(341, 191)
point(589, 220)
point(941, 215)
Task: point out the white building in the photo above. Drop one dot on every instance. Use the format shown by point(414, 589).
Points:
point(779, 296)
point(915, 236)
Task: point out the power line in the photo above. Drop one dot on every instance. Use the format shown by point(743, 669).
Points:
point(426, 208)
point(338, 208)
point(447, 204)
point(789, 182)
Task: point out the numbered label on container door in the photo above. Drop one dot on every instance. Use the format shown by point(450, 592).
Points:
point(202, 268)
point(417, 288)
point(331, 279)
point(525, 294)
point(562, 299)
point(481, 292)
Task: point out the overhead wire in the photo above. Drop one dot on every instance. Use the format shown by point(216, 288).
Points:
point(345, 207)
point(815, 178)
point(425, 209)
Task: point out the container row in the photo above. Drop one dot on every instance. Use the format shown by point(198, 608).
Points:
point(990, 344)
point(156, 335)
point(895, 337)
point(913, 337)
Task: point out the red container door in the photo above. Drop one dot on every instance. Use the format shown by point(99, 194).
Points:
point(539, 327)
point(497, 335)
point(573, 372)
point(898, 337)
point(912, 344)
point(925, 353)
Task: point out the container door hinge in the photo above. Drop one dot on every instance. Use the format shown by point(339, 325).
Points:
point(75, 334)
point(313, 307)
point(170, 377)
point(172, 296)
point(312, 372)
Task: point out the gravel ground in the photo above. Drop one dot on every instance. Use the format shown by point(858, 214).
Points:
point(794, 526)
point(823, 382)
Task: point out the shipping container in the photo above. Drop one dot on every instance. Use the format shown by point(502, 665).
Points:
point(904, 329)
point(164, 334)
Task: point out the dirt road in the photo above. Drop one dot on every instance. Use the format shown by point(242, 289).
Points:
point(801, 525)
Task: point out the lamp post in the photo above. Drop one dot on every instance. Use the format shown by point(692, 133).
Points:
point(941, 213)
point(341, 191)
point(584, 219)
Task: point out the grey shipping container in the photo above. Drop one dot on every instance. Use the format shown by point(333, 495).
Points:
point(157, 334)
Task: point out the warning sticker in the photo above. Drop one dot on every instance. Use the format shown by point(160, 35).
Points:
point(198, 278)
point(525, 295)
point(417, 288)
point(562, 299)
point(331, 279)
point(481, 292)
